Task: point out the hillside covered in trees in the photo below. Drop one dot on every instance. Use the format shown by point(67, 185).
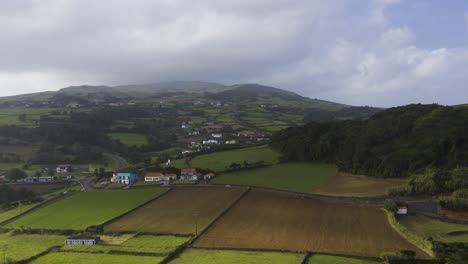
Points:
point(396, 142)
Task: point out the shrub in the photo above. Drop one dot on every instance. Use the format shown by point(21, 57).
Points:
point(462, 194)
point(454, 204)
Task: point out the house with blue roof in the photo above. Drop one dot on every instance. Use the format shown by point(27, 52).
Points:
point(125, 178)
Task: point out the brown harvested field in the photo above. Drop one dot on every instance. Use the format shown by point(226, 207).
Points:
point(280, 221)
point(177, 211)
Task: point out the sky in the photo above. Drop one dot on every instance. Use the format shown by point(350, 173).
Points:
point(359, 52)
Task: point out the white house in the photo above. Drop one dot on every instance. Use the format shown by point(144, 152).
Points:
point(209, 176)
point(65, 168)
point(169, 177)
point(82, 241)
point(188, 174)
point(153, 176)
point(216, 135)
point(210, 142)
point(402, 210)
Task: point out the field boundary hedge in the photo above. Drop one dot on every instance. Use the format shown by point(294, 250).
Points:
point(136, 208)
point(376, 200)
point(224, 212)
point(424, 245)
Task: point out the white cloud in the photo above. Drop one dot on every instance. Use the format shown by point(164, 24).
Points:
point(318, 48)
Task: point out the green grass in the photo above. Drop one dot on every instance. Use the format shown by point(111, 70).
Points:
point(9, 116)
point(87, 258)
point(324, 259)
point(79, 211)
point(203, 256)
point(426, 227)
point(4, 216)
point(299, 177)
point(130, 139)
point(21, 247)
point(219, 161)
point(139, 244)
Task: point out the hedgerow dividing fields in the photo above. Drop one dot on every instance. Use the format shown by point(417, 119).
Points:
point(179, 212)
point(88, 258)
point(203, 256)
point(273, 220)
point(79, 211)
point(21, 247)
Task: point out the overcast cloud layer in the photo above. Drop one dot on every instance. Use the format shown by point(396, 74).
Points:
point(342, 50)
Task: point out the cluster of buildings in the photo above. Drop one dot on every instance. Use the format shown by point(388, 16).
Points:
point(186, 174)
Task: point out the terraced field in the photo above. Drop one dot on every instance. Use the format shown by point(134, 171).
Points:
point(185, 210)
point(81, 210)
point(220, 161)
point(273, 220)
point(202, 256)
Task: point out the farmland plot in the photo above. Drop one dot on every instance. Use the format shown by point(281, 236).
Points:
point(79, 211)
point(91, 258)
point(21, 247)
point(203, 256)
point(181, 211)
point(273, 220)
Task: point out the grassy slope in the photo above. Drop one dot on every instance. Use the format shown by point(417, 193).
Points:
point(426, 227)
point(85, 209)
point(9, 116)
point(299, 177)
point(219, 161)
point(20, 247)
point(69, 257)
point(324, 259)
point(201, 256)
point(130, 139)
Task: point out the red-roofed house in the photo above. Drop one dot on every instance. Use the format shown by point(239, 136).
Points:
point(153, 176)
point(188, 174)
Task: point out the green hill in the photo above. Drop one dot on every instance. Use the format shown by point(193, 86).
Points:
point(393, 143)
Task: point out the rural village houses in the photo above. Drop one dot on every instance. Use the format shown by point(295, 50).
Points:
point(125, 178)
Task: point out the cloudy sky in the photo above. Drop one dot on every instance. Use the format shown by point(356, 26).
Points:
point(361, 52)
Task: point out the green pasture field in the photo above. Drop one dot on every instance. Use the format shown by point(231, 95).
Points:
point(298, 177)
point(9, 116)
point(6, 215)
point(91, 258)
point(204, 256)
point(130, 139)
point(219, 161)
point(81, 210)
point(325, 259)
point(139, 244)
point(426, 227)
point(21, 247)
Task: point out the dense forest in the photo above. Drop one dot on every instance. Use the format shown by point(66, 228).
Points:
point(397, 142)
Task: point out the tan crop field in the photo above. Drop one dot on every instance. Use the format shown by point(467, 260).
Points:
point(273, 220)
point(181, 211)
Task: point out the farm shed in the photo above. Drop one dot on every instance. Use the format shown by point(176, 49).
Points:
point(402, 210)
point(82, 241)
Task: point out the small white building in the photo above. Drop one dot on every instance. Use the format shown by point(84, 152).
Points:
point(65, 168)
point(169, 177)
point(80, 241)
point(210, 142)
point(216, 135)
point(209, 176)
point(402, 210)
